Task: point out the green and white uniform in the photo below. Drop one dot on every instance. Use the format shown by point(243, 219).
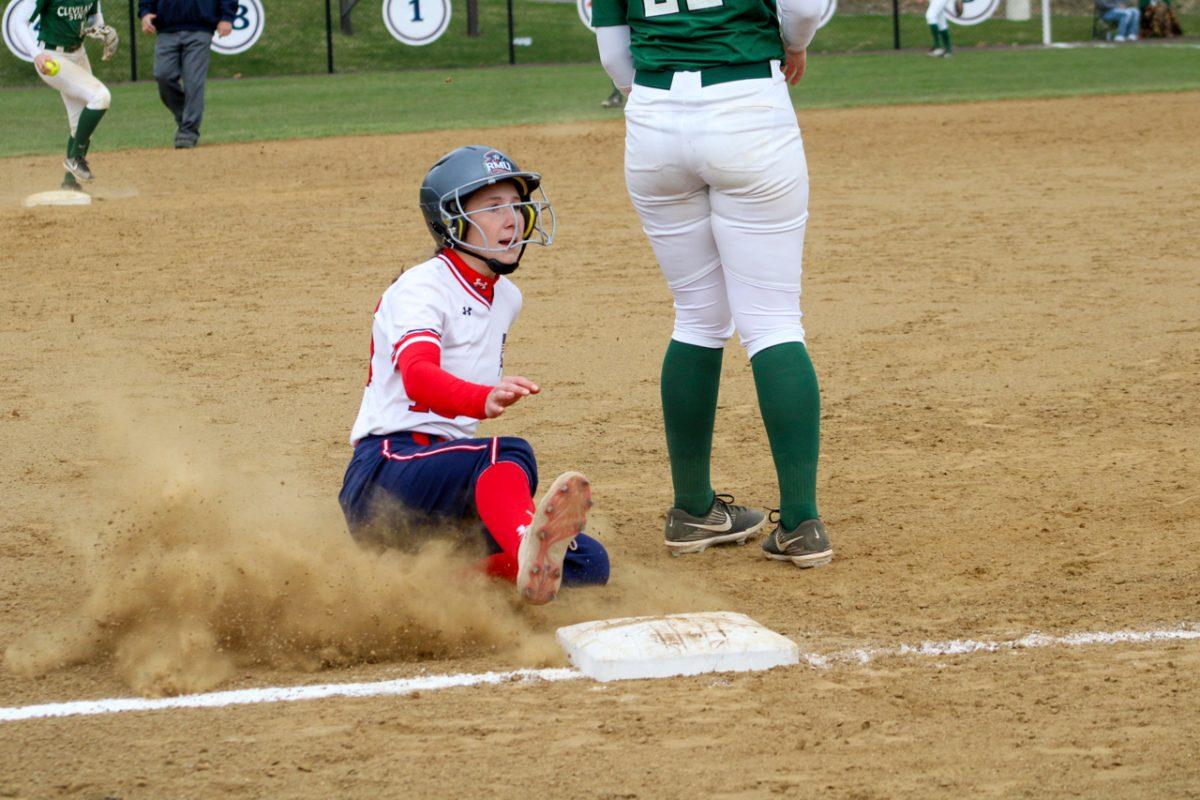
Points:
point(935, 16)
point(715, 167)
point(64, 21)
point(61, 37)
point(676, 35)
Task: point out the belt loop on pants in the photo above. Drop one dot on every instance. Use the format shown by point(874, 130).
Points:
point(661, 78)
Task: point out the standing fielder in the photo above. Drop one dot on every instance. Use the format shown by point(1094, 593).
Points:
point(715, 168)
point(935, 15)
point(64, 24)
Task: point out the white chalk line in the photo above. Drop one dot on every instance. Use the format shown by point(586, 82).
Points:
point(430, 683)
point(958, 647)
point(282, 694)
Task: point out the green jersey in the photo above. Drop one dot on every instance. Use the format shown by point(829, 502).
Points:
point(63, 21)
point(685, 35)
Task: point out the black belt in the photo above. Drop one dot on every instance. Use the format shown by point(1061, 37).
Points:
point(661, 78)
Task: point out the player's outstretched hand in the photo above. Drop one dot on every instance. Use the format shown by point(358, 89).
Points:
point(509, 390)
point(793, 66)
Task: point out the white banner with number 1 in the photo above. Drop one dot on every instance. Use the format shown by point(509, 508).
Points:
point(416, 22)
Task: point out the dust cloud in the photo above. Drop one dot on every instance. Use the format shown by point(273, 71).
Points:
point(196, 572)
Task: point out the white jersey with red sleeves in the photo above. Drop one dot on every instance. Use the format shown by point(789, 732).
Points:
point(435, 302)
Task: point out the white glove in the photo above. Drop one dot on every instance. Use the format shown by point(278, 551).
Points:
point(106, 34)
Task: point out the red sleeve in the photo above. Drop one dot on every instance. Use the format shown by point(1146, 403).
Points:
point(420, 367)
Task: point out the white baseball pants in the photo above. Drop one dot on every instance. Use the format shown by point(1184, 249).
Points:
point(718, 176)
point(76, 83)
point(936, 13)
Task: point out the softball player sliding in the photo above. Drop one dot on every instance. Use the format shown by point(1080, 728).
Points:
point(715, 167)
point(62, 62)
point(437, 353)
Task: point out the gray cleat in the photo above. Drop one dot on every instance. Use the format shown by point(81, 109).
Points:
point(806, 546)
point(78, 167)
point(725, 522)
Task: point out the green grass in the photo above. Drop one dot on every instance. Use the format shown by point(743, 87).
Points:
point(293, 40)
point(388, 102)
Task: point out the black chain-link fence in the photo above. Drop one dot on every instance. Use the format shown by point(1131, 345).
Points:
point(315, 36)
point(294, 38)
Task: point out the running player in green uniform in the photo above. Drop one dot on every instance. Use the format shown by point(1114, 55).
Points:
point(64, 25)
point(716, 170)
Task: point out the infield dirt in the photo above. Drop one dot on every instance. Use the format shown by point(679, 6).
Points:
point(1001, 301)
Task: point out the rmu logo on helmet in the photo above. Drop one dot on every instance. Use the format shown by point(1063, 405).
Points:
point(465, 170)
point(495, 163)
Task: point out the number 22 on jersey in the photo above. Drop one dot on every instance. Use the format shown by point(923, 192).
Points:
point(660, 8)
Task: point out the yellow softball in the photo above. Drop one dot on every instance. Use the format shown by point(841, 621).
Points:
point(51, 67)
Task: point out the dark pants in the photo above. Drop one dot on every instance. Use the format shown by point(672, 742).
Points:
point(181, 68)
point(397, 479)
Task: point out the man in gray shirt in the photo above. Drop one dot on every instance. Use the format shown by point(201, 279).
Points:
point(185, 31)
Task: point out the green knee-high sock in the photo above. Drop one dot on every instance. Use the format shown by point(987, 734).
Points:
point(69, 177)
point(790, 402)
point(89, 118)
point(946, 40)
point(691, 376)
point(933, 29)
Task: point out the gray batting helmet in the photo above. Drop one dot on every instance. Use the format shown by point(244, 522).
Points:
point(461, 172)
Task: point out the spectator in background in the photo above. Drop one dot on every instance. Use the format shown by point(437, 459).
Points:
point(1158, 19)
point(1126, 18)
point(185, 31)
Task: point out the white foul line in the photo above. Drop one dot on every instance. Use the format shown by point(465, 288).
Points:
point(281, 694)
point(957, 647)
point(287, 694)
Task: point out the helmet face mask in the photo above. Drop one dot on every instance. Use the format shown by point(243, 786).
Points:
point(462, 172)
point(529, 220)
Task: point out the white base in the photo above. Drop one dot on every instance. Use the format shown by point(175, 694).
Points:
point(678, 644)
point(58, 197)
